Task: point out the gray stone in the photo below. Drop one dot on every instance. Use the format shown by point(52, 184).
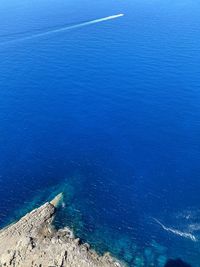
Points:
point(33, 242)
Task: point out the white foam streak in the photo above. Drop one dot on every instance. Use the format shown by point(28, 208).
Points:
point(87, 23)
point(177, 232)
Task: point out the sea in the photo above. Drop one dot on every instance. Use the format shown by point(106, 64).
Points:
point(107, 112)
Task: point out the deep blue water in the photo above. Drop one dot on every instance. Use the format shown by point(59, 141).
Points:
point(110, 115)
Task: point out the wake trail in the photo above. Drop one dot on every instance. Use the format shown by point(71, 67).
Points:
point(177, 232)
point(66, 28)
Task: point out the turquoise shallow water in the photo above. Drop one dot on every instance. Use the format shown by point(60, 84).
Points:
point(109, 114)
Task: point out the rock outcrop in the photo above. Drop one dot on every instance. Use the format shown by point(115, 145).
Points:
point(34, 242)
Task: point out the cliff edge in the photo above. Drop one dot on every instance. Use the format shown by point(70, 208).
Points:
point(33, 242)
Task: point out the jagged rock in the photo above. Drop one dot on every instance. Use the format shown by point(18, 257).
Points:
point(33, 242)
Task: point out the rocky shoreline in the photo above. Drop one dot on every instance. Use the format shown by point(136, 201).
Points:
point(34, 242)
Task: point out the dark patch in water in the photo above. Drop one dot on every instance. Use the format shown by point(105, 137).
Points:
point(177, 263)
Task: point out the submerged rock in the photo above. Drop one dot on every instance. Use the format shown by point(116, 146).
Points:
point(33, 241)
point(139, 261)
point(161, 260)
point(149, 256)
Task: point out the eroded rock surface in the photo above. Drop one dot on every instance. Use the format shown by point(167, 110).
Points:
point(33, 242)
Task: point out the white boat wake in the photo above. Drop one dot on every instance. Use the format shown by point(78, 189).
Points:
point(66, 28)
point(177, 232)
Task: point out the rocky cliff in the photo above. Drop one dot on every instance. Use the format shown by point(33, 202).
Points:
point(34, 242)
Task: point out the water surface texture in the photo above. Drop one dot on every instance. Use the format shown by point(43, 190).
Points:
point(109, 114)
